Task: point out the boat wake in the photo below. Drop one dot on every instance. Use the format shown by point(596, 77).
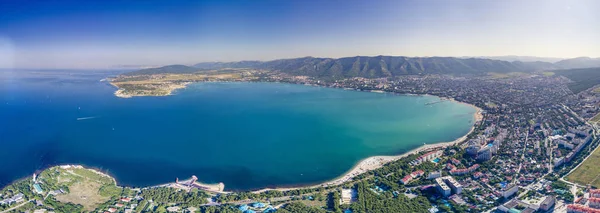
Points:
point(86, 118)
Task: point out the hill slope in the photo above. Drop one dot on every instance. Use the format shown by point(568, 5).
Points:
point(582, 78)
point(381, 66)
point(174, 69)
point(386, 66)
point(581, 62)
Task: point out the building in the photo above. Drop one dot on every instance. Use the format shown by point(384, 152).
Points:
point(412, 176)
point(511, 204)
point(484, 154)
point(173, 209)
point(559, 161)
point(346, 197)
point(514, 204)
point(577, 208)
point(547, 203)
point(434, 175)
point(455, 162)
point(406, 179)
point(570, 136)
point(427, 157)
point(473, 147)
point(14, 199)
point(595, 193)
point(594, 202)
point(442, 187)
point(447, 185)
point(454, 185)
point(565, 144)
point(455, 171)
point(509, 190)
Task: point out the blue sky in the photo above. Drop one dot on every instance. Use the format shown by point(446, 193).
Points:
point(105, 34)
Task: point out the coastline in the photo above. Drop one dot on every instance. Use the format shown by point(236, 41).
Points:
point(363, 166)
point(169, 90)
point(376, 162)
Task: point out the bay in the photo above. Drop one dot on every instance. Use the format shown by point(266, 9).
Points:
point(246, 135)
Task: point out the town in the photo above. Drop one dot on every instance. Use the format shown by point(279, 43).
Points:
point(522, 156)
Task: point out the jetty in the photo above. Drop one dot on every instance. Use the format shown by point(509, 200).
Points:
point(436, 102)
point(192, 183)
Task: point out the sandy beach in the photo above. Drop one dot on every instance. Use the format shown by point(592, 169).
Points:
point(375, 162)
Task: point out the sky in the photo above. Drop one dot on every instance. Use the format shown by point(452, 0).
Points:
point(103, 34)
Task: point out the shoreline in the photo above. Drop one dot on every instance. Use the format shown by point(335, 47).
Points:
point(376, 162)
point(122, 93)
point(363, 166)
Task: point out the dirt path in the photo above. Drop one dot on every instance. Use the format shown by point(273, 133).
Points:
point(16, 207)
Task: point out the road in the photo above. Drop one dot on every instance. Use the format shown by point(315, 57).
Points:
point(16, 207)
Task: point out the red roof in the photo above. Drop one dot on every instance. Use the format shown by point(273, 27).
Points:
point(581, 208)
point(417, 173)
point(595, 192)
point(594, 199)
point(406, 179)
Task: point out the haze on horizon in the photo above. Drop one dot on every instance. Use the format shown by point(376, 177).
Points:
point(108, 34)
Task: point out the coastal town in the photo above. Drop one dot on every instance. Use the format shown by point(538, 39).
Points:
point(531, 137)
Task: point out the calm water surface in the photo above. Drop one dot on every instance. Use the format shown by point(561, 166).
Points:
point(247, 135)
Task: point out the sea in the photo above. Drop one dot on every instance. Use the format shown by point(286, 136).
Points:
point(246, 135)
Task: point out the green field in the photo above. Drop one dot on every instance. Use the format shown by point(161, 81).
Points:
point(596, 118)
point(84, 187)
point(548, 73)
point(588, 172)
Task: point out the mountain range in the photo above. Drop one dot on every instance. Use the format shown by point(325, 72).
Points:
point(520, 58)
point(382, 66)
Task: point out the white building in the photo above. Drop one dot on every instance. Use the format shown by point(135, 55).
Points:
point(433, 175)
point(509, 190)
point(484, 154)
point(558, 161)
point(447, 185)
point(442, 187)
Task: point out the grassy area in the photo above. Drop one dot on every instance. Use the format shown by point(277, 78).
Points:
point(314, 203)
point(164, 84)
point(496, 75)
point(85, 193)
point(82, 186)
point(491, 104)
point(548, 73)
point(596, 118)
point(588, 172)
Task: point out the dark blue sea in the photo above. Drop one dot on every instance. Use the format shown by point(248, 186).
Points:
point(246, 135)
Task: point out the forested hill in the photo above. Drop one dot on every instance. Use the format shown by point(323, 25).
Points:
point(582, 79)
point(378, 66)
point(174, 69)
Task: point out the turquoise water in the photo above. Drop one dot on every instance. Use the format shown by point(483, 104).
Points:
point(247, 135)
